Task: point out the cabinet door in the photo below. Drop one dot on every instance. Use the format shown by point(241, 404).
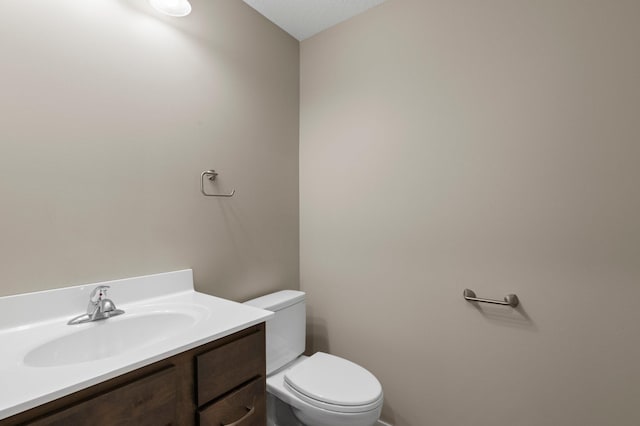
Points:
point(227, 367)
point(149, 401)
point(245, 406)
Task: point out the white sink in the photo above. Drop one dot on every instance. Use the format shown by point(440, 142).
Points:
point(43, 358)
point(109, 337)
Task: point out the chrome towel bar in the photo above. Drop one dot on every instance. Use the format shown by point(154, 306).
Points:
point(509, 300)
point(212, 174)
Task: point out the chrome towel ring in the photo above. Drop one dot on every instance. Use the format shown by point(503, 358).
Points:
point(212, 174)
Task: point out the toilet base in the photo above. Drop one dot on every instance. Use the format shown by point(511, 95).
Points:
point(280, 413)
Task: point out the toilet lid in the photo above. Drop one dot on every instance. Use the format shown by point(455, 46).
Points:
point(334, 383)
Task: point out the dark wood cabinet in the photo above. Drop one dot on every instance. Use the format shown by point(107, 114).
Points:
point(228, 366)
point(240, 407)
point(132, 403)
point(219, 383)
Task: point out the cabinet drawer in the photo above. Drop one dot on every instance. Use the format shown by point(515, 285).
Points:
point(149, 401)
point(227, 367)
point(243, 407)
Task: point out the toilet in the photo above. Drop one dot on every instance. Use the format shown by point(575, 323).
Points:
point(319, 390)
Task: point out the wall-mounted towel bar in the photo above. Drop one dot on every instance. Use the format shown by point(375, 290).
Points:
point(212, 174)
point(509, 300)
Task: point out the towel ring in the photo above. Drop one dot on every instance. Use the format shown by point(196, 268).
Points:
point(212, 174)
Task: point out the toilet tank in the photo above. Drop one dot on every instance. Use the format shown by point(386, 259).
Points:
point(286, 330)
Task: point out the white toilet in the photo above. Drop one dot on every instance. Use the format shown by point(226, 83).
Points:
point(320, 390)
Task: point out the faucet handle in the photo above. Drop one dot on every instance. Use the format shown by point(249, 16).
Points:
point(98, 293)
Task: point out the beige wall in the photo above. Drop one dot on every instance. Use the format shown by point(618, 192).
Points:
point(484, 144)
point(109, 112)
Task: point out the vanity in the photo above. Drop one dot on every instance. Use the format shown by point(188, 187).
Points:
point(175, 357)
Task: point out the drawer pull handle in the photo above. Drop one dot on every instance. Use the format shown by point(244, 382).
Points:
point(242, 419)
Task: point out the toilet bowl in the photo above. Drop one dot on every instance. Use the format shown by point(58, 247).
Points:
point(319, 390)
point(320, 394)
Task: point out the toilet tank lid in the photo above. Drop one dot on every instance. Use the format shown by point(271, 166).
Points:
point(278, 300)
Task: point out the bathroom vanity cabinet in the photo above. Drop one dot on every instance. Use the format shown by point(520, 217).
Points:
point(219, 383)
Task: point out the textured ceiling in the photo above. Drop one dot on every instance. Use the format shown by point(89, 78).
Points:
point(304, 18)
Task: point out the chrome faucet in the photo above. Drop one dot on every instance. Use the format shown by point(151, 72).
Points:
point(99, 307)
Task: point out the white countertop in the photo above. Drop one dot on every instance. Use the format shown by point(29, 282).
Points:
point(28, 321)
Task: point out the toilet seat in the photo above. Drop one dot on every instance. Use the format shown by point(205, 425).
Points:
point(334, 384)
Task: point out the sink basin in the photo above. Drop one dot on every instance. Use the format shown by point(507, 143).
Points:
point(43, 359)
point(108, 338)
